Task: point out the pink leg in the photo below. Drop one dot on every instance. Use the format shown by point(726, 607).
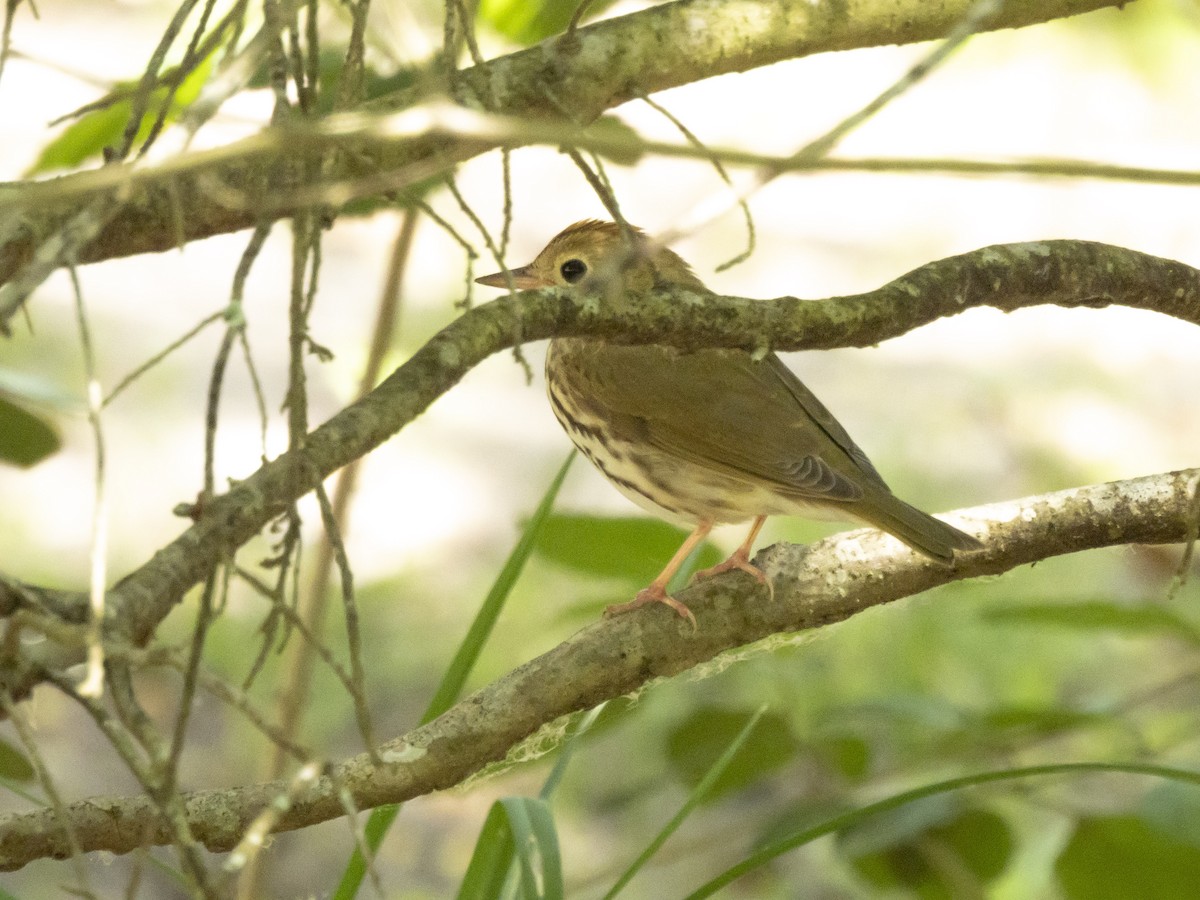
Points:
point(657, 590)
point(740, 559)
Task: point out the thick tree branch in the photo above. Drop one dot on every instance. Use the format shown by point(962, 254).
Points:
point(576, 78)
point(1007, 277)
point(814, 586)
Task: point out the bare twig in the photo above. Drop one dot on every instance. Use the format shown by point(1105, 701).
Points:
point(93, 682)
point(708, 40)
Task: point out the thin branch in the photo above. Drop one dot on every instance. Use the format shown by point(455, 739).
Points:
point(17, 715)
point(93, 683)
point(1005, 277)
point(975, 18)
point(381, 136)
point(593, 69)
point(814, 586)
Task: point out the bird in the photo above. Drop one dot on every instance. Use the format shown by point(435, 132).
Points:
point(702, 437)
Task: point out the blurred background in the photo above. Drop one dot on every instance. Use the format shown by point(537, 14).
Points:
point(1087, 657)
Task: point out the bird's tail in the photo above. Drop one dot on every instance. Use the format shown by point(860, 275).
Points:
point(919, 530)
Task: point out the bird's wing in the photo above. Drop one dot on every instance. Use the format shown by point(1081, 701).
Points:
point(724, 410)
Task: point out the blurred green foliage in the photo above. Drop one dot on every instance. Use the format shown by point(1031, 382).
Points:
point(98, 129)
point(630, 548)
point(14, 766)
point(1118, 857)
point(530, 21)
point(959, 853)
point(1080, 658)
point(25, 439)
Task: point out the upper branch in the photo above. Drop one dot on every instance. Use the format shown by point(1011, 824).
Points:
point(1007, 277)
point(575, 79)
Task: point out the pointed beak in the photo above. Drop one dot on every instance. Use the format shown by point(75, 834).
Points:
point(523, 279)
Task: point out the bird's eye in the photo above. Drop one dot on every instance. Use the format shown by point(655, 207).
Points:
point(573, 270)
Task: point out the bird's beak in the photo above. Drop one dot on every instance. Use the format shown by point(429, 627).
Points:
point(523, 279)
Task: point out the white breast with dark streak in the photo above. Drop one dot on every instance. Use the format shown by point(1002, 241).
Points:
point(665, 485)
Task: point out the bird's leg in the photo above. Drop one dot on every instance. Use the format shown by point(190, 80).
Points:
point(656, 592)
point(740, 559)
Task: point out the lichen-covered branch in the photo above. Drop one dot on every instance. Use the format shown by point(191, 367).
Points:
point(571, 79)
point(814, 586)
point(1007, 277)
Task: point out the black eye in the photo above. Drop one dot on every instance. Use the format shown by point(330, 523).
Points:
point(573, 270)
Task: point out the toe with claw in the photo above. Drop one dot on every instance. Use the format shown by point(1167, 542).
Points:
point(655, 593)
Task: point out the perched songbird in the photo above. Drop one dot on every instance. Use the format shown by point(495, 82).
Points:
point(704, 437)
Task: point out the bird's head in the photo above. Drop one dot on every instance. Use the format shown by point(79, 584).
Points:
point(599, 255)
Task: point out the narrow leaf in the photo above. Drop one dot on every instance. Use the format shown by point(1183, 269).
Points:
point(695, 798)
point(456, 674)
point(535, 840)
point(520, 828)
point(854, 817)
point(488, 869)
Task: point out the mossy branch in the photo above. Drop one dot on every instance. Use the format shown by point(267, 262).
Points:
point(1006, 277)
point(814, 586)
point(568, 79)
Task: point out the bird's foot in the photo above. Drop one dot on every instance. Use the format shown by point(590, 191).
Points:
point(740, 560)
point(655, 593)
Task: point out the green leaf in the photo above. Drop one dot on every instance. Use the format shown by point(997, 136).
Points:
point(701, 792)
point(88, 136)
point(934, 864)
point(1174, 809)
point(1120, 857)
point(530, 21)
point(536, 842)
point(460, 667)
point(694, 746)
point(25, 439)
point(632, 548)
point(488, 870)
point(83, 139)
point(13, 764)
point(849, 755)
point(809, 833)
point(522, 827)
point(1100, 615)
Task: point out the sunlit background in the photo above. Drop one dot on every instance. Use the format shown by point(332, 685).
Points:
point(971, 410)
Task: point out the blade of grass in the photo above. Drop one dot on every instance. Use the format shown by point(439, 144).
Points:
point(481, 629)
point(520, 828)
point(491, 862)
point(694, 799)
point(567, 750)
point(488, 870)
point(456, 674)
point(536, 842)
point(855, 817)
